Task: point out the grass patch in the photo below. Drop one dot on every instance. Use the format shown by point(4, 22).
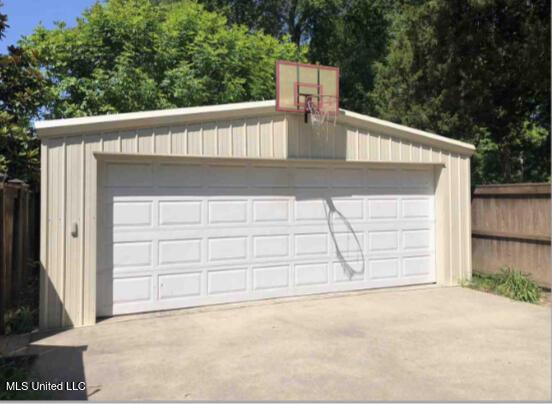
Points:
point(507, 282)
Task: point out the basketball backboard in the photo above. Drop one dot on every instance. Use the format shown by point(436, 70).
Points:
point(306, 88)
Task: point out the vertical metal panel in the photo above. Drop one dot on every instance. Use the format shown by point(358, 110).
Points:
point(292, 135)
point(385, 148)
point(279, 138)
point(406, 151)
point(253, 140)
point(363, 145)
point(466, 220)
point(111, 142)
point(194, 134)
point(455, 233)
point(340, 143)
point(352, 144)
point(265, 131)
point(92, 143)
point(145, 141)
point(209, 139)
point(56, 200)
point(374, 147)
point(128, 142)
point(395, 149)
point(224, 139)
point(72, 295)
point(239, 144)
point(162, 140)
point(44, 235)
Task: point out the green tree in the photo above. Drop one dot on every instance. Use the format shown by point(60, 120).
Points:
point(132, 55)
point(478, 70)
point(22, 93)
point(351, 34)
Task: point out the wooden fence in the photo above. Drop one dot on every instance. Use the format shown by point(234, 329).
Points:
point(511, 227)
point(19, 232)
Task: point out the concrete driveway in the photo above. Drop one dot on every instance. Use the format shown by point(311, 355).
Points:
point(411, 344)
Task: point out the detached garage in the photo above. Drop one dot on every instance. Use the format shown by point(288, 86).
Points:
point(188, 207)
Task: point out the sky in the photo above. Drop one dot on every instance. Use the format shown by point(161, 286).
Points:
point(24, 16)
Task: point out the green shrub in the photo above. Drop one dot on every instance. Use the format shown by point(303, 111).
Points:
point(20, 321)
point(518, 286)
point(508, 282)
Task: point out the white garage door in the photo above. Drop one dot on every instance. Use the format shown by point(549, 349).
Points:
point(204, 232)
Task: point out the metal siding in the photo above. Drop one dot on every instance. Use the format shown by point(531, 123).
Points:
point(92, 143)
point(128, 142)
point(271, 136)
point(73, 272)
point(162, 141)
point(56, 201)
point(224, 140)
point(44, 240)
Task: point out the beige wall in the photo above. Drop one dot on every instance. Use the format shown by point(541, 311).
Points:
point(69, 183)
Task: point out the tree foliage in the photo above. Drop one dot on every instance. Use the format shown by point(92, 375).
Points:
point(132, 55)
point(22, 94)
point(351, 34)
point(478, 70)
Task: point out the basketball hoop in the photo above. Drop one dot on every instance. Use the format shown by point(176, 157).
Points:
point(321, 111)
point(308, 89)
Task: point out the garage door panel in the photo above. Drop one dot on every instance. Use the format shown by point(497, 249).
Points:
point(180, 213)
point(416, 239)
point(348, 243)
point(349, 271)
point(251, 232)
point(271, 277)
point(348, 209)
point(272, 210)
point(227, 211)
point(132, 254)
point(416, 208)
point(227, 281)
point(131, 213)
point(179, 251)
point(387, 208)
point(227, 248)
point(271, 246)
point(310, 210)
point(383, 241)
point(132, 289)
point(417, 265)
point(311, 274)
point(180, 285)
point(384, 268)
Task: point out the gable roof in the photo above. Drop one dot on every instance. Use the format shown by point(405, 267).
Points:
point(73, 126)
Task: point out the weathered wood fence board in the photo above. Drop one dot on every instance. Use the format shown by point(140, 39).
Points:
point(511, 227)
point(18, 237)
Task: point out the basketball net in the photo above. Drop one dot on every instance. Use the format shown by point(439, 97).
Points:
point(322, 113)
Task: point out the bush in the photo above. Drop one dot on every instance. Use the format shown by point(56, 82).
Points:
point(20, 321)
point(508, 282)
point(518, 286)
